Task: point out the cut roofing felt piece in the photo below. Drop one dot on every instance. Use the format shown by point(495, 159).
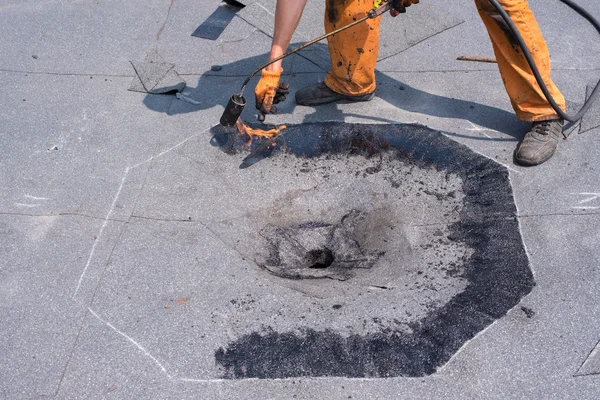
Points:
point(397, 34)
point(216, 23)
point(154, 75)
point(591, 366)
point(591, 120)
point(572, 127)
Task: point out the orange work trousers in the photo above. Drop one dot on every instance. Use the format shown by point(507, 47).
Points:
point(354, 54)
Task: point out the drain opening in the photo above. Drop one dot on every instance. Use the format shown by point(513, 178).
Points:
point(320, 259)
point(317, 250)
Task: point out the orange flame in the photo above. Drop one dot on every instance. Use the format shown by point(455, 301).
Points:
point(244, 129)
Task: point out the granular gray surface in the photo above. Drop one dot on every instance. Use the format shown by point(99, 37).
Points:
point(129, 242)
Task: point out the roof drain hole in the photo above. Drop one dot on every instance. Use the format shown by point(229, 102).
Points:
point(320, 259)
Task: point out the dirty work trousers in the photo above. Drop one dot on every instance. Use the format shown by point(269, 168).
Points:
point(354, 54)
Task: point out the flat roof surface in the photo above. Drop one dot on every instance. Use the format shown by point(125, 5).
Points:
point(382, 250)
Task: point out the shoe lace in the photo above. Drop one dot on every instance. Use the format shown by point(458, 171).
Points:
point(543, 128)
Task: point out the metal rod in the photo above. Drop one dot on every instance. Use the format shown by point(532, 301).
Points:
point(305, 45)
point(478, 59)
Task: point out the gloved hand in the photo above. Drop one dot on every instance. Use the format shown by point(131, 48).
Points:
point(399, 6)
point(269, 91)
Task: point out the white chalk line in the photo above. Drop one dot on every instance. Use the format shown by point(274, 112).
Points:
point(139, 346)
point(99, 235)
point(590, 197)
point(265, 8)
point(35, 197)
point(494, 159)
point(108, 215)
point(203, 380)
point(149, 355)
point(169, 149)
point(480, 129)
point(26, 205)
point(508, 167)
point(110, 211)
point(216, 380)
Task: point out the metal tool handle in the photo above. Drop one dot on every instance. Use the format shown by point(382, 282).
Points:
point(374, 13)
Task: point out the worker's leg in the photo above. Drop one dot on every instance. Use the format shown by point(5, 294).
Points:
point(354, 51)
point(524, 92)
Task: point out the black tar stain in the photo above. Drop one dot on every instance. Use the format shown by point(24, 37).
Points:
point(529, 313)
point(498, 272)
point(334, 8)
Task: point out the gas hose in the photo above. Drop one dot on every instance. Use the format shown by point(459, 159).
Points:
point(538, 77)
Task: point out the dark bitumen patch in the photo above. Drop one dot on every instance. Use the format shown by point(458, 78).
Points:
point(529, 313)
point(497, 272)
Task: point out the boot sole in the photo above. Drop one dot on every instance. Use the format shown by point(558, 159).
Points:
point(327, 100)
point(528, 162)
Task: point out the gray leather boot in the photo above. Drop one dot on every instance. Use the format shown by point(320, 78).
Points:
point(319, 93)
point(539, 144)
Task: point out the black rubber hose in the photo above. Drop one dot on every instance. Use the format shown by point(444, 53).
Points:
point(538, 77)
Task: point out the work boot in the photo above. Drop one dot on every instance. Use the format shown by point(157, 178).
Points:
point(539, 144)
point(319, 93)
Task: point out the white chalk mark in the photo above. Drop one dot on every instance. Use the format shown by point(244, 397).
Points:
point(168, 150)
point(205, 380)
point(588, 198)
point(193, 380)
point(99, 235)
point(241, 39)
point(147, 353)
point(139, 346)
point(26, 205)
point(479, 129)
point(508, 167)
point(591, 197)
point(265, 8)
point(35, 197)
point(291, 379)
point(143, 162)
point(498, 162)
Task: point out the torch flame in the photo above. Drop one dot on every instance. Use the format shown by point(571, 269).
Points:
point(244, 129)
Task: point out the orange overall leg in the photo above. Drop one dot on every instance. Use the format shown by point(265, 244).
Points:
point(525, 94)
point(353, 52)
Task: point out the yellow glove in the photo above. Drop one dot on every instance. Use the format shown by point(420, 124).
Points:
point(269, 91)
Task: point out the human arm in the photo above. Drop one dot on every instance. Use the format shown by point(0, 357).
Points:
point(268, 90)
point(287, 17)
